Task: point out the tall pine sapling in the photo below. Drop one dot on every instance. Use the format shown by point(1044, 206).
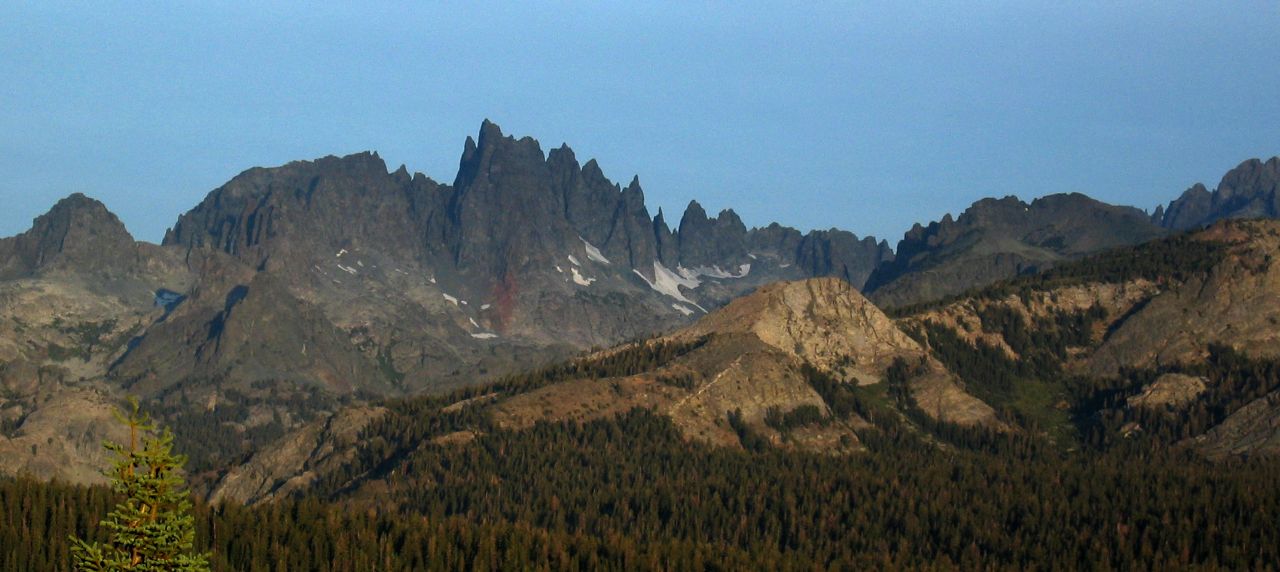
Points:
point(152, 528)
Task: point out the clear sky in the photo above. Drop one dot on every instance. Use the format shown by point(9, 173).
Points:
point(867, 116)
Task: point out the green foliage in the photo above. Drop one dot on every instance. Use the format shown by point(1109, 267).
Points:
point(800, 416)
point(1234, 380)
point(1029, 390)
point(87, 336)
point(216, 437)
point(412, 421)
point(841, 398)
point(635, 481)
point(387, 366)
point(151, 529)
point(9, 425)
point(631, 494)
point(631, 359)
point(749, 439)
point(684, 380)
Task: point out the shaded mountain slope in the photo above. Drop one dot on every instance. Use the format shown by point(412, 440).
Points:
point(995, 239)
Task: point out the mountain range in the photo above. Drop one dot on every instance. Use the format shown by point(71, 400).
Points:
point(294, 296)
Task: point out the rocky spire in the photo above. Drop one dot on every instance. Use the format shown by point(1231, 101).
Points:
point(719, 241)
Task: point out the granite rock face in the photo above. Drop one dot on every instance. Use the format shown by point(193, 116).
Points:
point(1252, 430)
point(1236, 304)
point(294, 463)
point(829, 325)
point(1170, 326)
point(1170, 390)
point(823, 321)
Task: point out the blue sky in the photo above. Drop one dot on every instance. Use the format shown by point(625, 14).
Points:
point(867, 116)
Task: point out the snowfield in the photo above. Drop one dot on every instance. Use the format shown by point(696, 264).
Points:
point(593, 253)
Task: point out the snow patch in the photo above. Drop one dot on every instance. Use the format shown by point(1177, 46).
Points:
point(450, 298)
point(682, 309)
point(473, 322)
point(359, 263)
point(341, 252)
point(752, 256)
point(579, 279)
point(432, 279)
point(667, 282)
point(712, 272)
point(574, 260)
point(484, 336)
point(784, 266)
point(484, 306)
point(593, 253)
point(347, 269)
point(558, 269)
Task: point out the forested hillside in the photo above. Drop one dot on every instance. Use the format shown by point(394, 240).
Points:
point(629, 493)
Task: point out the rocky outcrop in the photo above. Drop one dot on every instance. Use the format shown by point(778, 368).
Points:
point(704, 241)
point(1190, 210)
point(61, 436)
point(1171, 390)
point(826, 323)
point(294, 463)
point(75, 292)
point(823, 321)
point(1252, 430)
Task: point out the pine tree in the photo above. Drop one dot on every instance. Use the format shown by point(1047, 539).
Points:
point(152, 528)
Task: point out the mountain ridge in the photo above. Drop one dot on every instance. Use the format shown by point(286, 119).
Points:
point(292, 292)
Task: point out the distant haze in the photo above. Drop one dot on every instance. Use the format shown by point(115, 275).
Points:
point(867, 118)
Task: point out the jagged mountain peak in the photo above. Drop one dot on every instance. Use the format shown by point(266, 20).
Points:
point(693, 211)
point(552, 249)
point(490, 145)
point(1250, 190)
point(1251, 170)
